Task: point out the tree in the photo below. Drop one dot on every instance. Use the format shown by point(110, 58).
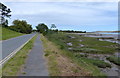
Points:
point(53, 26)
point(5, 12)
point(42, 28)
point(21, 26)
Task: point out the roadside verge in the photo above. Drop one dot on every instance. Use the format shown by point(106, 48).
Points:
point(13, 53)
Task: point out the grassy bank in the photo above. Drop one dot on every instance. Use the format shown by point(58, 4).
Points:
point(79, 44)
point(64, 63)
point(59, 64)
point(7, 33)
point(13, 66)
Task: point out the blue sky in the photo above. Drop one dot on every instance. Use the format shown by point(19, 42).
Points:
point(86, 16)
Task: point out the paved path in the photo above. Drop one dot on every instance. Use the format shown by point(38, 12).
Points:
point(35, 63)
point(8, 46)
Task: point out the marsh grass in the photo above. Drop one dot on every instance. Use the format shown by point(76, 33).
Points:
point(114, 59)
point(61, 39)
point(91, 45)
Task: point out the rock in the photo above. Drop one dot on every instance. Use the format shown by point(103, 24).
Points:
point(70, 36)
point(80, 40)
point(69, 44)
point(81, 45)
point(69, 48)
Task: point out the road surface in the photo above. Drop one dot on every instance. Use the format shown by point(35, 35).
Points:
point(10, 45)
point(35, 64)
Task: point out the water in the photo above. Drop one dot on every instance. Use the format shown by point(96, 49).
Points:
point(110, 33)
point(115, 36)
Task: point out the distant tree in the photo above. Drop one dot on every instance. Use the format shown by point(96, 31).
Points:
point(42, 28)
point(53, 26)
point(5, 12)
point(21, 26)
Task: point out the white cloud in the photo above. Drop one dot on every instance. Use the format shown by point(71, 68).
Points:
point(67, 14)
point(59, 0)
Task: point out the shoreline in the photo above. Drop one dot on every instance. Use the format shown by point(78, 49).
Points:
point(115, 38)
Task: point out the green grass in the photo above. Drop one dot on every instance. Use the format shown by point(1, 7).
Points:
point(51, 57)
point(91, 45)
point(7, 33)
point(96, 62)
point(114, 59)
point(13, 66)
point(92, 66)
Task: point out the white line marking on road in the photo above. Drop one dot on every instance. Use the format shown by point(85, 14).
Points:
point(13, 53)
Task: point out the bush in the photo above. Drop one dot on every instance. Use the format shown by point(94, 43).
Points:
point(21, 26)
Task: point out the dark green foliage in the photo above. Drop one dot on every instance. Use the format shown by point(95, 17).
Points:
point(5, 12)
point(115, 60)
point(21, 26)
point(42, 28)
point(53, 26)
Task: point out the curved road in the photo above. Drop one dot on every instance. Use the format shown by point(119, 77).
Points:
point(10, 45)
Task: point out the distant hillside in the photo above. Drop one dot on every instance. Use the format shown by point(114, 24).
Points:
point(7, 33)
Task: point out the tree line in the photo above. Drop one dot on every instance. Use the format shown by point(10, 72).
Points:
point(21, 26)
point(72, 31)
point(18, 25)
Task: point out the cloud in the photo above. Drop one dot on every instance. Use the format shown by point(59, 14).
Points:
point(59, 0)
point(67, 15)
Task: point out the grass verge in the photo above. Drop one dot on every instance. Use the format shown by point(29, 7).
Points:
point(51, 57)
point(7, 33)
point(13, 66)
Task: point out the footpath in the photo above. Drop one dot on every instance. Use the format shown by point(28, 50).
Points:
point(35, 64)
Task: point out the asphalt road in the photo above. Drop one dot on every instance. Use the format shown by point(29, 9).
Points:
point(8, 46)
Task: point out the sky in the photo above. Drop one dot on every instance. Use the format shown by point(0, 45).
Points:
point(81, 16)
